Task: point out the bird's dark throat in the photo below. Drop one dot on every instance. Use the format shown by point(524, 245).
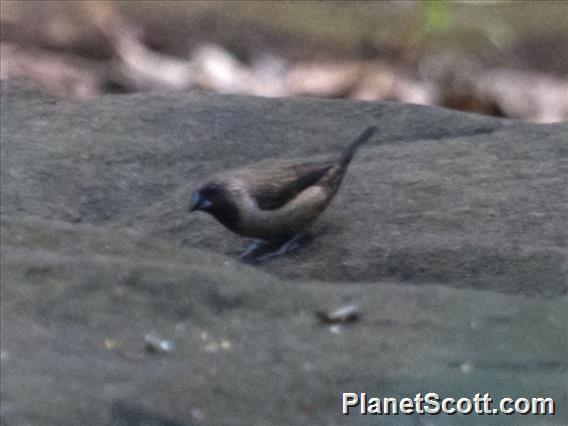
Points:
point(225, 212)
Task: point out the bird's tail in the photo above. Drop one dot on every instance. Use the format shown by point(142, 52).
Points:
point(356, 144)
point(335, 175)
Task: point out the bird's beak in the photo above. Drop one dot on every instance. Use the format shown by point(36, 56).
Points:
point(198, 202)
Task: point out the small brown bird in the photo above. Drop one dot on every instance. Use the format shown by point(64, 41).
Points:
point(274, 201)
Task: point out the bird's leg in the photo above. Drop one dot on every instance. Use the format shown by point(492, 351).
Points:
point(251, 248)
point(289, 245)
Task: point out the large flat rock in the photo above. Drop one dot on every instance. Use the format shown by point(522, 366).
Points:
point(449, 232)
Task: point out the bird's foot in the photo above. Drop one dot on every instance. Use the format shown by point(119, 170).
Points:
point(264, 250)
point(251, 249)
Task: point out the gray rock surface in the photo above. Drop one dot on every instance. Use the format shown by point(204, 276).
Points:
point(449, 232)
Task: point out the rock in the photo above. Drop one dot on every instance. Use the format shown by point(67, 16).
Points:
point(449, 232)
point(124, 414)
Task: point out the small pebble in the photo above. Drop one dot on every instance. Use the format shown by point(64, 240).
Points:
point(158, 345)
point(335, 329)
point(345, 314)
point(466, 367)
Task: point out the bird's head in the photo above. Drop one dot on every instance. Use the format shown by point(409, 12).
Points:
point(206, 198)
point(215, 199)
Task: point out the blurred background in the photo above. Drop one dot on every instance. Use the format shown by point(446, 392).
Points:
point(507, 59)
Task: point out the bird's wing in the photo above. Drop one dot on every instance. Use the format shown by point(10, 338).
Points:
point(272, 188)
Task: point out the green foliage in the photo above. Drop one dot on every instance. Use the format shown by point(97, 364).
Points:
point(437, 15)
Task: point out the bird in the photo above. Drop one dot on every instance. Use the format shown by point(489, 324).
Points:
point(274, 202)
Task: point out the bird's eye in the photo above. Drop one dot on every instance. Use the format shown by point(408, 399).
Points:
point(213, 189)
